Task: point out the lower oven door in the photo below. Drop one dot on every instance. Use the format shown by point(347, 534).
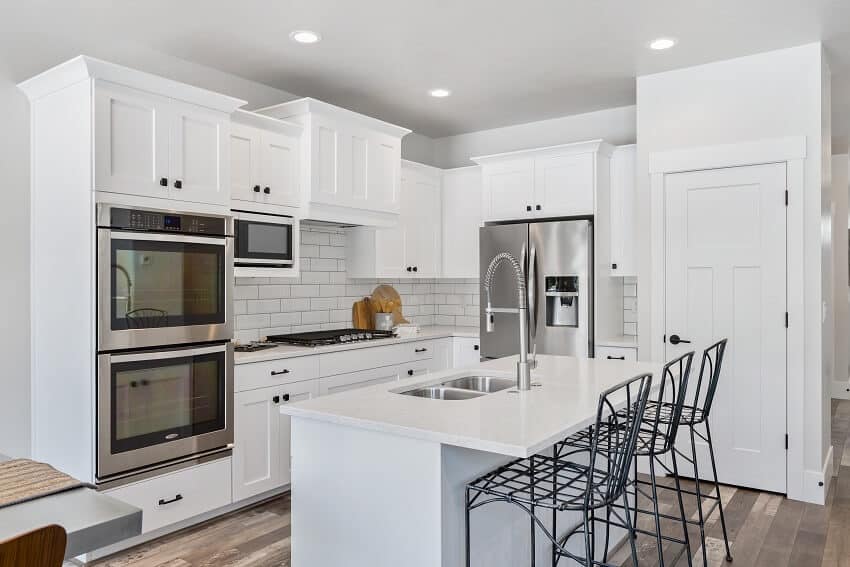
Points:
point(163, 405)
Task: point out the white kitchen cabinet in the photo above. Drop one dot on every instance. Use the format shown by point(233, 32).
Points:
point(350, 163)
point(261, 449)
point(616, 353)
point(265, 163)
point(557, 181)
point(155, 146)
point(411, 249)
point(622, 225)
point(359, 379)
point(466, 352)
point(461, 206)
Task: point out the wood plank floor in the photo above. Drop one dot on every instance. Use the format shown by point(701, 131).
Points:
point(765, 530)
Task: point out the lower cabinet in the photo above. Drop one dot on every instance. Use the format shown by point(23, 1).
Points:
point(354, 380)
point(261, 437)
point(466, 352)
point(180, 495)
point(616, 353)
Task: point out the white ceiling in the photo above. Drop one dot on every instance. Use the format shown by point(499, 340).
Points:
point(506, 61)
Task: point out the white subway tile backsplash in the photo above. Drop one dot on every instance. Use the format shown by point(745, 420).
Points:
point(321, 298)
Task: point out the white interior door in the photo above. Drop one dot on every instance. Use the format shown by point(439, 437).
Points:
point(726, 277)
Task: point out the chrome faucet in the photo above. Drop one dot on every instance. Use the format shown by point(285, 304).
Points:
point(523, 367)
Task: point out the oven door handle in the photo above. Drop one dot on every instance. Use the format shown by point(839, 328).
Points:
point(160, 237)
point(171, 353)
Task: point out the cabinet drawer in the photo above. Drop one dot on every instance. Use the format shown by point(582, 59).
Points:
point(360, 379)
point(180, 495)
point(275, 372)
point(374, 357)
point(616, 353)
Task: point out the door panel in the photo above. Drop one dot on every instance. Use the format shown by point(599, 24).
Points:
point(256, 441)
point(508, 190)
point(513, 238)
point(564, 185)
point(297, 392)
point(280, 170)
point(244, 162)
point(199, 159)
point(726, 277)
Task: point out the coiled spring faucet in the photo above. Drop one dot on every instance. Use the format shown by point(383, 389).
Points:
point(523, 368)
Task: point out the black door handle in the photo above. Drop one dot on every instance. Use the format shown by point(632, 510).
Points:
point(256, 188)
point(528, 207)
point(276, 372)
point(616, 357)
point(415, 268)
point(409, 268)
point(286, 397)
point(476, 347)
point(276, 399)
point(267, 190)
point(178, 184)
point(420, 349)
point(410, 372)
point(163, 181)
point(538, 207)
point(675, 339)
point(177, 498)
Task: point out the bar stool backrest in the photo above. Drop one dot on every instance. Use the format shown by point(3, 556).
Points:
point(709, 375)
point(662, 422)
point(615, 437)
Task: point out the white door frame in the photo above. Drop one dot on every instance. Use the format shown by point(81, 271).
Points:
point(792, 152)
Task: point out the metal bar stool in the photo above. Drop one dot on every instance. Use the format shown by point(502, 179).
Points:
point(656, 439)
point(559, 484)
point(693, 414)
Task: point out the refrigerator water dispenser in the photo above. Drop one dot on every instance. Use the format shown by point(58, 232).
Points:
point(562, 301)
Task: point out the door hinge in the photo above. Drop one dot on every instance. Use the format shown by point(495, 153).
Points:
point(786, 319)
point(786, 197)
point(786, 441)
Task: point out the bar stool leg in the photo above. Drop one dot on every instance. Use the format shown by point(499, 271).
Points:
point(699, 495)
point(468, 551)
point(629, 527)
point(681, 507)
point(717, 489)
point(656, 512)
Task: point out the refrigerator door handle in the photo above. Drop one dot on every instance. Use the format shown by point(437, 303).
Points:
point(531, 284)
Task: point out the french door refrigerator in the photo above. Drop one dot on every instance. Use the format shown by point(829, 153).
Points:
point(557, 258)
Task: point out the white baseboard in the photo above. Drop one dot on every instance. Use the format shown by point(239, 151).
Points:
point(150, 536)
point(816, 483)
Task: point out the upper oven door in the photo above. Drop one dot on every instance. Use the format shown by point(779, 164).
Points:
point(162, 289)
point(263, 239)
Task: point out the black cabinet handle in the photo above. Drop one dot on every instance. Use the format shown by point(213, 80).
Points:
point(609, 357)
point(410, 372)
point(276, 399)
point(676, 339)
point(613, 266)
point(409, 269)
point(163, 181)
point(538, 207)
point(476, 347)
point(528, 207)
point(178, 184)
point(286, 397)
point(423, 349)
point(177, 498)
point(256, 188)
point(278, 372)
point(415, 268)
point(267, 190)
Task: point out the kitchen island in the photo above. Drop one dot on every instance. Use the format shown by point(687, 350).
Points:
point(379, 476)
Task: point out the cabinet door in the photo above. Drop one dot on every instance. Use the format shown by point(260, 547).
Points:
point(200, 159)
point(256, 444)
point(354, 380)
point(130, 141)
point(422, 218)
point(461, 205)
point(245, 146)
point(564, 185)
point(383, 163)
point(291, 393)
point(509, 190)
point(467, 352)
point(622, 224)
point(326, 147)
point(279, 159)
point(393, 245)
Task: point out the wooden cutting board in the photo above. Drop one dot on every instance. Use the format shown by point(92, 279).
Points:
point(363, 314)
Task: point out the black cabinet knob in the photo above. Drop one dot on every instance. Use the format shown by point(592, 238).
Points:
point(476, 347)
point(256, 188)
point(613, 266)
point(415, 268)
point(410, 372)
point(163, 181)
point(538, 207)
point(528, 207)
point(178, 184)
point(676, 339)
point(267, 190)
point(286, 397)
point(276, 399)
point(409, 269)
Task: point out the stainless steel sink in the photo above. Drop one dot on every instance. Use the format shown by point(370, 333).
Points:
point(442, 393)
point(484, 384)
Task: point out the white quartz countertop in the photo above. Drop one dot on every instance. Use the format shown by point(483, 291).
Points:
point(626, 341)
point(291, 351)
point(512, 423)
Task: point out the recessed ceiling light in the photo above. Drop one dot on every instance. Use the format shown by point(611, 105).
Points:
point(439, 93)
point(305, 36)
point(662, 43)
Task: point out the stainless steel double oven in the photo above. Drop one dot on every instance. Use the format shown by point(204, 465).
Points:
point(165, 360)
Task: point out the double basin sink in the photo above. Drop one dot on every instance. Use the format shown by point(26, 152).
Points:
point(461, 388)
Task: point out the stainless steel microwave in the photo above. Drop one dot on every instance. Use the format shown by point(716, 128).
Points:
point(265, 244)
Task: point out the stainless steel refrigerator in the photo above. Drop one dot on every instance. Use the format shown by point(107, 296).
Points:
point(557, 257)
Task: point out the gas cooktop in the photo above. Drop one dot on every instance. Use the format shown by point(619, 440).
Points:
point(334, 337)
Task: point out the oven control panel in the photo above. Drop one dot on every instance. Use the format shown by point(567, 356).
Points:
point(154, 221)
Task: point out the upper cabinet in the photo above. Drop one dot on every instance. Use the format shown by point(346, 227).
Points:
point(622, 225)
point(264, 161)
point(461, 220)
point(350, 164)
point(411, 248)
point(149, 136)
point(558, 181)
